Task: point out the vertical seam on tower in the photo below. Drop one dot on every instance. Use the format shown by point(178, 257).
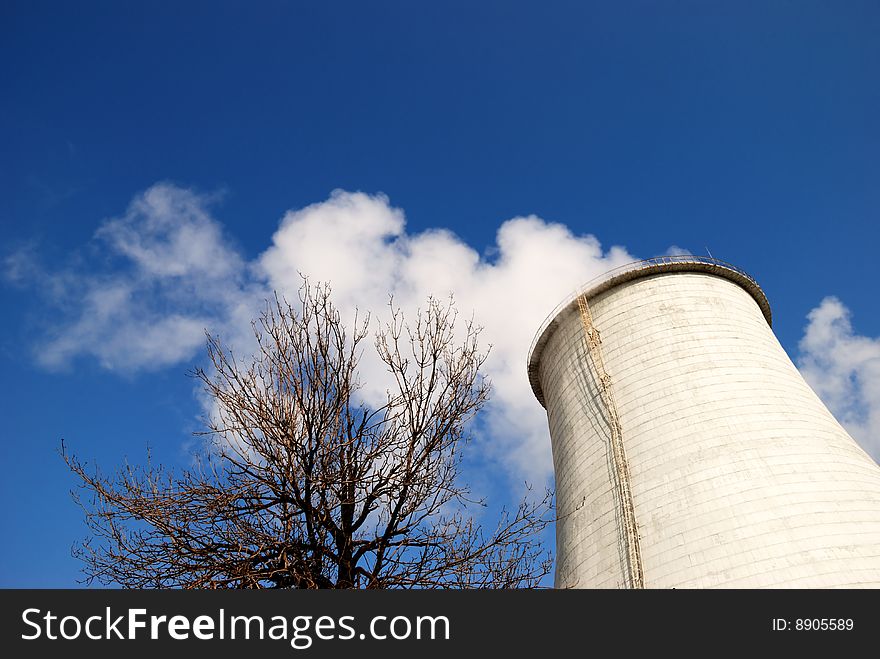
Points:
point(618, 452)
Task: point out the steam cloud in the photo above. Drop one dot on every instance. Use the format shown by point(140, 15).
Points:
point(173, 273)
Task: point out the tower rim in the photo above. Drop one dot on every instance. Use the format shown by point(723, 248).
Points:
point(629, 272)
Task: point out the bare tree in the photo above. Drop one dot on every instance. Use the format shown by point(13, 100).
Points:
point(306, 486)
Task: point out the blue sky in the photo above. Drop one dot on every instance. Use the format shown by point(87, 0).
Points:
point(750, 129)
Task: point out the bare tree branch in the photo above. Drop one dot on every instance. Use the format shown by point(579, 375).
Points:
point(309, 487)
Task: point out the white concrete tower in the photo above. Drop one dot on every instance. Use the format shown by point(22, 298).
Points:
point(688, 449)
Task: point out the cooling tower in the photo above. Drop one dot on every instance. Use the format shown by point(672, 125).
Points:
point(689, 451)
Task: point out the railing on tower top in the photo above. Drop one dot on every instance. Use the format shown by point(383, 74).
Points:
point(634, 266)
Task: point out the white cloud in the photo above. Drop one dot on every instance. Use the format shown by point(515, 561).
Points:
point(171, 275)
point(359, 243)
point(844, 369)
point(174, 274)
point(353, 240)
point(675, 250)
point(167, 232)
